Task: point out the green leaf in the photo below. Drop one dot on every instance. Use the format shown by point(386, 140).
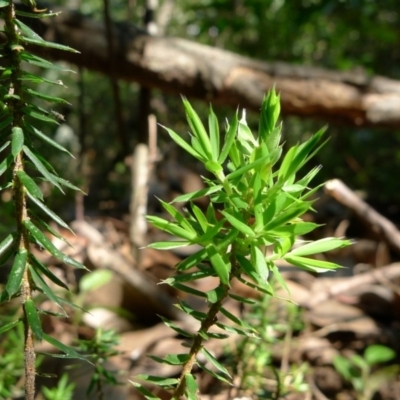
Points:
point(196, 195)
point(295, 229)
point(288, 216)
point(258, 260)
point(39, 236)
point(215, 374)
point(34, 112)
point(46, 139)
point(45, 271)
point(377, 354)
point(213, 128)
point(242, 299)
point(4, 165)
point(191, 387)
point(320, 246)
point(47, 44)
point(200, 316)
point(9, 326)
point(183, 222)
point(65, 183)
point(197, 128)
point(176, 359)
point(182, 143)
point(229, 139)
point(26, 76)
point(95, 280)
point(278, 276)
point(176, 328)
point(159, 381)
point(6, 243)
point(50, 99)
point(311, 264)
point(192, 260)
point(168, 245)
point(33, 319)
point(17, 272)
point(17, 141)
point(239, 225)
point(41, 168)
point(4, 3)
point(237, 320)
point(41, 284)
point(214, 167)
point(49, 212)
point(241, 171)
point(172, 228)
point(4, 124)
point(188, 277)
point(36, 15)
point(30, 184)
point(145, 392)
point(40, 62)
point(221, 267)
point(189, 290)
point(212, 360)
point(68, 351)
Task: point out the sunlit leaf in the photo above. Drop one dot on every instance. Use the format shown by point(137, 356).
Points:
point(191, 387)
point(320, 246)
point(33, 318)
point(17, 140)
point(9, 326)
point(212, 360)
point(45, 271)
point(229, 139)
point(95, 280)
point(196, 195)
point(221, 267)
point(17, 272)
point(30, 184)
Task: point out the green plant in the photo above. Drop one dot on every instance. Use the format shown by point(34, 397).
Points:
point(363, 372)
point(275, 322)
point(24, 169)
point(252, 221)
point(98, 350)
point(63, 390)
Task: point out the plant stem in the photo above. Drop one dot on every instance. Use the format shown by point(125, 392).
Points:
point(210, 320)
point(15, 105)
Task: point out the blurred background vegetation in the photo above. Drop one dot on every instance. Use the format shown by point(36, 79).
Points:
point(357, 35)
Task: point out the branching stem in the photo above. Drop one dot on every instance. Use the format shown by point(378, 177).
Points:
point(210, 320)
point(15, 104)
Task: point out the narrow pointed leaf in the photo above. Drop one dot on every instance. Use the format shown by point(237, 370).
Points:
point(192, 260)
point(191, 387)
point(30, 185)
point(215, 374)
point(66, 183)
point(258, 260)
point(311, 264)
point(40, 167)
point(17, 140)
point(196, 195)
point(35, 113)
point(221, 267)
point(278, 276)
point(46, 139)
point(17, 272)
point(49, 246)
point(241, 226)
point(213, 129)
point(45, 271)
point(181, 142)
point(145, 392)
point(33, 319)
point(41, 284)
point(50, 99)
point(239, 172)
point(6, 243)
point(67, 350)
point(5, 164)
point(189, 290)
point(9, 326)
point(229, 139)
point(4, 124)
point(320, 246)
point(198, 128)
point(159, 381)
point(172, 228)
point(177, 216)
point(168, 245)
point(47, 44)
point(212, 360)
point(176, 328)
point(49, 212)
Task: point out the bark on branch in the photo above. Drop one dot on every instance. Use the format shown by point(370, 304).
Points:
point(181, 66)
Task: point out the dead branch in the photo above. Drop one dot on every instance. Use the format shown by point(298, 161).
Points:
point(375, 221)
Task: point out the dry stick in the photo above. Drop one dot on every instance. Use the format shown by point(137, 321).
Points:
point(387, 273)
point(378, 223)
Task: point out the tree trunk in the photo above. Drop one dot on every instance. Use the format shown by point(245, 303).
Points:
point(183, 67)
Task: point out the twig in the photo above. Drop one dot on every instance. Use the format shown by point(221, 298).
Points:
point(377, 223)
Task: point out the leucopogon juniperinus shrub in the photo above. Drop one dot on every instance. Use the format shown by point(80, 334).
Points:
point(253, 220)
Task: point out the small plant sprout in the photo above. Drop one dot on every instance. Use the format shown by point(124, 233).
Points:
point(257, 199)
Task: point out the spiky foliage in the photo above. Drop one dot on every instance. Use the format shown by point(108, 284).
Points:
point(253, 220)
point(24, 169)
